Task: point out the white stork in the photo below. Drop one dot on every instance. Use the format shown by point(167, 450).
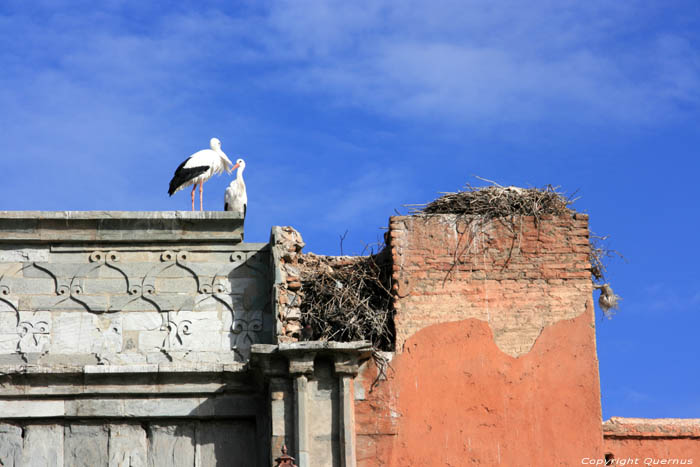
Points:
point(198, 168)
point(236, 198)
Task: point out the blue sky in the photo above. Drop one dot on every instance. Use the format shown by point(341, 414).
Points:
point(346, 111)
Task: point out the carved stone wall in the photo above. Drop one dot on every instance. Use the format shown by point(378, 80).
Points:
point(74, 303)
point(125, 337)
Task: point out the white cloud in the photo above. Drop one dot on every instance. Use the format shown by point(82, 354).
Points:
point(484, 61)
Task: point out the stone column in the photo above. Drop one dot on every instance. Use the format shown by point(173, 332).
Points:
point(300, 367)
point(346, 367)
point(281, 401)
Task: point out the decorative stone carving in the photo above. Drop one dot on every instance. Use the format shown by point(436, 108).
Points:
point(5, 294)
point(179, 332)
point(201, 301)
point(34, 332)
point(246, 326)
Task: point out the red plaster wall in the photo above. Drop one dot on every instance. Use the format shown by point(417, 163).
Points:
point(496, 362)
point(653, 440)
point(458, 399)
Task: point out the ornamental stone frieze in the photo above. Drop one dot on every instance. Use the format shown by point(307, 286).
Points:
point(125, 288)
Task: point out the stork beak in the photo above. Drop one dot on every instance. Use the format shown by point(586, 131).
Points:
point(234, 167)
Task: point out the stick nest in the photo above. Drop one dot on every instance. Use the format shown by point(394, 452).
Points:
point(484, 204)
point(348, 298)
point(491, 202)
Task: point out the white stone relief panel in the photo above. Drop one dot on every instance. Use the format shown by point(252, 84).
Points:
point(132, 305)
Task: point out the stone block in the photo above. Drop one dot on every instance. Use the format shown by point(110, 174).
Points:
point(125, 358)
point(207, 303)
point(172, 445)
point(206, 357)
point(228, 443)
point(105, 286)
point(202, 321)
point(59, 271)
point(8, 341)
point(94, 408)
point(22, 285)
point(120, 369)
point(151, 341)
point(32, 408)
point(129, 269)
point(185, 285)
point(43, 446)
point(23, 255)
point(128, 445)
point(86, 445)
point(10, 445)
point(94, 303)
point(76, 332)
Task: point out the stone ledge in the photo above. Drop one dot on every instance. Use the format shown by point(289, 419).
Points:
point(620, 427)
point(161, 368)
point(311, 346)
point(300, 356)
point(214, 406)
point(119, 226)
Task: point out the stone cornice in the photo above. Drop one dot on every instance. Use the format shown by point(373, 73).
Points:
point(119, 226)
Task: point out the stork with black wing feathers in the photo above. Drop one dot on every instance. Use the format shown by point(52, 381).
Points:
point(198, 168)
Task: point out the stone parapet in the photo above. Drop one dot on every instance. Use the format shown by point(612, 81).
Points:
point(119, 226)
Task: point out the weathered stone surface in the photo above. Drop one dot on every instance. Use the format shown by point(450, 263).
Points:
point(227, 444)
point(128, 445)
point(120, 226)
point(86, 445)
point(76, 332)
point(323, 401)
point(172, 445)
point(31, 408)
point(43, 446)
point(111, 324)
point(10, 445)
point(141, 321)
point(20, 255)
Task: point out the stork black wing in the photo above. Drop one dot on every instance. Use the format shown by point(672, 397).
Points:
point(184, 175)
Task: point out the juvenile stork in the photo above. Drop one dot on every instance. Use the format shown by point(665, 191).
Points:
point(198, 168)
point(236, 198)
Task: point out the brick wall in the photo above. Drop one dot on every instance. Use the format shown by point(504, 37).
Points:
point(448, 270)
point(495, 349)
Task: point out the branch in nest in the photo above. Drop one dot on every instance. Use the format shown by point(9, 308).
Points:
point(348, 299)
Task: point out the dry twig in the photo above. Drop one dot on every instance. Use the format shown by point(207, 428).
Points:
point(348, 298)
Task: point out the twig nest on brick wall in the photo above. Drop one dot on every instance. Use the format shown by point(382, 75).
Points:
point(348, 298)
point(497, 201)
point(479, 206)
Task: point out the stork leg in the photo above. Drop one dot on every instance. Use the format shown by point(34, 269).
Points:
point(193, 188)
point(201, 186)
